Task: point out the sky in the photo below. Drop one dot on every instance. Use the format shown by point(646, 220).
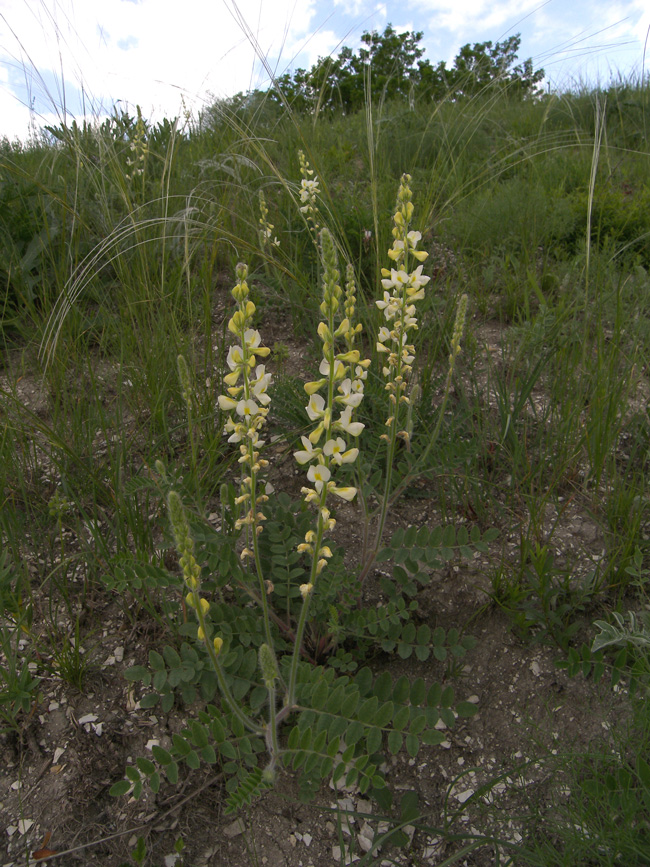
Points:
point(61, 59)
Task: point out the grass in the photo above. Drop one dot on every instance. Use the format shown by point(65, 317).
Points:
point(537, 209)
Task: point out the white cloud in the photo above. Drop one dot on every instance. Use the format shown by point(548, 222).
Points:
point(459, 16)
point(152, 52)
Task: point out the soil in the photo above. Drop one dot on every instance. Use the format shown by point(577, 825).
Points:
point(56, 772)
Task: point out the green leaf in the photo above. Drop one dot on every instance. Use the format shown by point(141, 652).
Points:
point(383, 686)
point(336, 699)
point(193, 760)
point(333, 746)
point(410, 537)
point(418, 724)
point(180, 745)
point(412, 745)
point(217, 729)
point(402, 690)
point(150, 700)
point(384, 714)
point(147, 767)
point(418, 691)
point(373, 740)
point(209, 755)
point(350, 704)
point(364, 680)
point(154, 782)
point(466, 709)
point(159, 679)
point(404, 650)
point(120, 788)
point(368, 710)
point(156, 661)
point(447, 716)
point(132, 773)
point(138, 672)
point(354, 733)
point(409, 806)
point(447, 697)
point(227, 750)
point(434, 694)
point(172, 773)
point(401, 718)
point(394, 742)
point(319, 695)
point(306, 739)
point(422, 652)
point(199, 735)
point(161, 755)
point(172, 658)
point(319, 742)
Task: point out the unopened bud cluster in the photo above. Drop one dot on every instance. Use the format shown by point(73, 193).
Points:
point(267, 238)
point(189, 565)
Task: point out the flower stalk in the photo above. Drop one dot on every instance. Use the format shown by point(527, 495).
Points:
point(332, 400)
point(403, 287)
point(246, 400)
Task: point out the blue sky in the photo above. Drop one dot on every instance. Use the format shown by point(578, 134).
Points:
point(80, 57)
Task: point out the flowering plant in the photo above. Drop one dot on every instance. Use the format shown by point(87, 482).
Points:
point(282, 559)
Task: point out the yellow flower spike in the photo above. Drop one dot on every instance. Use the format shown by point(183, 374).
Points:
point(320, 566)
point(189, 599)
point(205, 606)
point(200, 634)
point(218, 644)
point(305, 590)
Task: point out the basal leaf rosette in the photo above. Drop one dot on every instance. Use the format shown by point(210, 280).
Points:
point(402, 288)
